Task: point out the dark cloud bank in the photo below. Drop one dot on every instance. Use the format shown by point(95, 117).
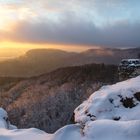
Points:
point(76, 31)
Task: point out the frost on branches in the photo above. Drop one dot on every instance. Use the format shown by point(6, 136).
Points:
point(113, 112)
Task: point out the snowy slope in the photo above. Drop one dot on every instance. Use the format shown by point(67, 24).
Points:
point(120, 101)
point(112, 113)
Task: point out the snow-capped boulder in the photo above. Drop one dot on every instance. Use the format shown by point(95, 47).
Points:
point(4, 121)
point(120, 101)
point(112, 130)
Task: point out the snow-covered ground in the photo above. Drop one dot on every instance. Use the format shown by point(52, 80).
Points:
point(112, 113)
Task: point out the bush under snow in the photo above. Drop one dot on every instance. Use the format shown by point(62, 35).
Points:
point(112, 113)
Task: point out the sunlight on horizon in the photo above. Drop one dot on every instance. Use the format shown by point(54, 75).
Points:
point(15, 49)
point(66, 25)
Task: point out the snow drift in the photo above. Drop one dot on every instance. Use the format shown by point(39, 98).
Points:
point(113, 112)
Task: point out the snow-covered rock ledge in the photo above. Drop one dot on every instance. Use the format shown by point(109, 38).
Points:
point(112, 113)
point(120, 101)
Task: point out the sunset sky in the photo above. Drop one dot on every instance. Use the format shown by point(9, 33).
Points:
point(72, 25)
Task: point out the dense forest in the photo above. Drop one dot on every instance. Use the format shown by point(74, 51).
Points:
point(39, 101)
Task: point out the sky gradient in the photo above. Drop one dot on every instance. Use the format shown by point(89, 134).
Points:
point(75, 24)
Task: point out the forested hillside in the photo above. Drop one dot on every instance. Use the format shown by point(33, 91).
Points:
point(39, 101)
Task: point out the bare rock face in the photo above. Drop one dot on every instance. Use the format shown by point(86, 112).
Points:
point(128, 73)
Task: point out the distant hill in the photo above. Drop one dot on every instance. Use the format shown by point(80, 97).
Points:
point(39, 61)
point(40, 101)
point(108, 55)
point(34, 62)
